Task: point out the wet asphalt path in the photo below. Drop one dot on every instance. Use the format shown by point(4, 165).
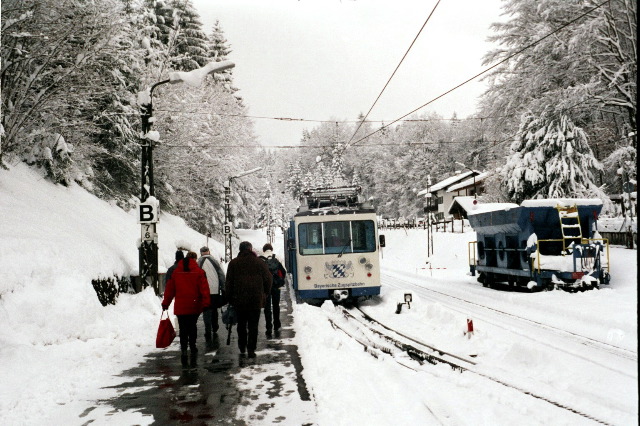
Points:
point(223, 388)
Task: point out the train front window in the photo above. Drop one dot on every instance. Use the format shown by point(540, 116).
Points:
point(337, 237)
point(364, 236)
point(310, 235)
point(358, 236)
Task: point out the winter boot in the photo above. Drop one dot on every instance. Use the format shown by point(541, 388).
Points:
point(194, 357)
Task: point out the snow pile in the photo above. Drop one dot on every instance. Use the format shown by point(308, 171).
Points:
point(58, 345)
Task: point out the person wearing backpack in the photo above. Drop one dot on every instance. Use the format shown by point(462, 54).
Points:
point(272, 304)
point(215, 279)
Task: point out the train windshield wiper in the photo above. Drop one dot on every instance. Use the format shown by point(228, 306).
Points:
point(344, 248)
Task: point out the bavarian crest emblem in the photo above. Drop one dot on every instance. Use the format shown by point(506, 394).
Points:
point(338, 269)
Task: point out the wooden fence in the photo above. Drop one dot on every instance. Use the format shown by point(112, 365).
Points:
point(626, 239)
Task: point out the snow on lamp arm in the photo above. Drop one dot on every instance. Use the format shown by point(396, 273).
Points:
point(148, 248)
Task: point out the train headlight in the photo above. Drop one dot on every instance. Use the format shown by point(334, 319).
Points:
point(307, 269)
point(362, 260)
point(368, 266)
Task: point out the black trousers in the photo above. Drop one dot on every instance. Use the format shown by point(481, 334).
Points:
point(272, 310)
point(188, 331)
point(210, 317)
point(248, 329)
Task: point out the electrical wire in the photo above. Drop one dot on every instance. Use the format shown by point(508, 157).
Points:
point(402, 118)
point(490, 141)
point(423, 143)
point(529, 46)
point(326, 121)
point(394, 73)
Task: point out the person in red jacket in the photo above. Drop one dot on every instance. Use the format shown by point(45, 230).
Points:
point(188, 284)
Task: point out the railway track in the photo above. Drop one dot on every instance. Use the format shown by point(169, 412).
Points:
point(578, 338)
point(379, 340)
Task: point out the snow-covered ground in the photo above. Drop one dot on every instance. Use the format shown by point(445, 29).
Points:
point(60, 349)
point(576, 350)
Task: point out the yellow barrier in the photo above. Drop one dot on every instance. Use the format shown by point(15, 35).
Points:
point(469, 244)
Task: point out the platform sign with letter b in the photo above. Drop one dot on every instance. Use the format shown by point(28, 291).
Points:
point(147, 213)
point(226, 229)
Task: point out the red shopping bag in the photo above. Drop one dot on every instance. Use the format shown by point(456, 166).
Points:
point(166, 332)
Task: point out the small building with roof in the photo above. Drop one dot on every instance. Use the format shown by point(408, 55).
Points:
point(439, 197)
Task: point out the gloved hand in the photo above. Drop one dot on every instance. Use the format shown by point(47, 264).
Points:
point(164, 308)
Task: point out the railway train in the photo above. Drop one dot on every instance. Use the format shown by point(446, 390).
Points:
point(541, 244)
point(332, 249)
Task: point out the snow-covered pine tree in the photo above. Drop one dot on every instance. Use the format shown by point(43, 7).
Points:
point(355, 179)
point(551, 158)
point(587, 70)
point(192, 43)
point(294, 180)
point(218, 50)
point(337, 164)
point(308, 181)
point(178, 27)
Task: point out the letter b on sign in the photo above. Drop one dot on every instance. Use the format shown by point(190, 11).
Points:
point(147, 214)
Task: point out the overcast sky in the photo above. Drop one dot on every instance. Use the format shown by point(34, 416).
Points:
point(329, 59)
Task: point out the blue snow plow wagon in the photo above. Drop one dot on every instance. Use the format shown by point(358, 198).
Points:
point(541, 244)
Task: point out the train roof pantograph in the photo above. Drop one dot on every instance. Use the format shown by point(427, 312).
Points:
point(334, 200)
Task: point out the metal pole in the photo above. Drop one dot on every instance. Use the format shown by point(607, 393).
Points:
point(148, 251)
point(227, 219)
point(228, 254)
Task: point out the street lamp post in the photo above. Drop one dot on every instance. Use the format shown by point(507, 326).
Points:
point(475, 190)
point(148, 208)
point(227, 228)
point(429, 230)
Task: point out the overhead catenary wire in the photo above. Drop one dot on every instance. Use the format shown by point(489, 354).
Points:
point(421, 143)
point(529, 46)
point(491, 141)
point(402, 118)
point(394, 72)
point(325, 121)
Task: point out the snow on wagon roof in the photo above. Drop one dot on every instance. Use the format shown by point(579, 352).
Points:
point(565, 202)
point(490, 207)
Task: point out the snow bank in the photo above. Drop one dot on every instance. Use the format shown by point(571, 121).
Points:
point(58, 345)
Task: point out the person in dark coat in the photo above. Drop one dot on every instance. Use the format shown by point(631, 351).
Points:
point(179, 257)
point(248, 284)
point(272, 304)
point(188, 284)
